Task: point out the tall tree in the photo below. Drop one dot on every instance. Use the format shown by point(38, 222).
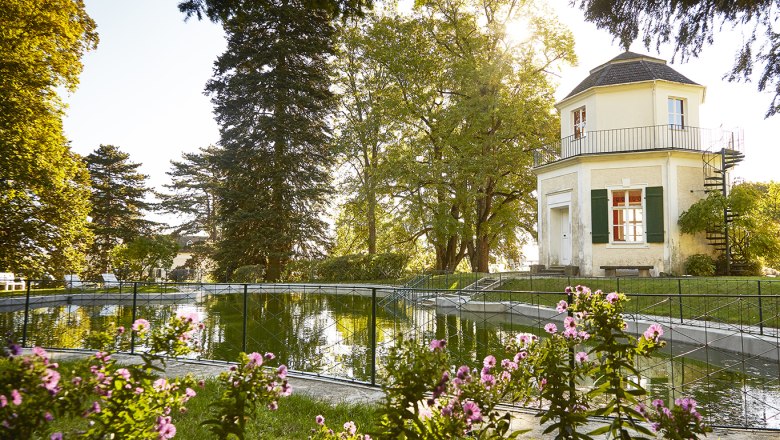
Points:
point(475, 104)
point(192, 196)
point(118, 203)
point(691, 25)
point(44, 187)
point(271, 96)
point(362, 129)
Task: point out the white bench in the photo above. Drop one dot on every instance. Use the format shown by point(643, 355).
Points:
point(8, 281)
point(73, 281)
point(109, 280)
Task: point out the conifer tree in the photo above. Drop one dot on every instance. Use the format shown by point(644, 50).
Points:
point(44, 187)
point(118, 193)
point(271, 96)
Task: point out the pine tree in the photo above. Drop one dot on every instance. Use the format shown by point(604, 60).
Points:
point(192, 196)
point(272, 99)
point(44, 187)
point(118, 193)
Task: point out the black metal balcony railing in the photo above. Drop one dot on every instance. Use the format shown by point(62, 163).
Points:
point(658, 137)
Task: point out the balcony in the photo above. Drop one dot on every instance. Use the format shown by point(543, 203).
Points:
point(651, 138)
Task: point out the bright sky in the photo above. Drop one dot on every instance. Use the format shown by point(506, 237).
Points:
point(142, 89)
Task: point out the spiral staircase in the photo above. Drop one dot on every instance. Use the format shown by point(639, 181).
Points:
point(717, 164)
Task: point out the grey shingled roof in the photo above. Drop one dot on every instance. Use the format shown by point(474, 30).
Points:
point(629, 67)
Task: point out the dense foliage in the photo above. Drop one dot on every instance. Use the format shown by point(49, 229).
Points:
point(118, 204)
point(135, 259)
point(436, 129)
point(271, 96)
point(754, 229)
point(700, 265)
point(44, 187)
point(358, 267)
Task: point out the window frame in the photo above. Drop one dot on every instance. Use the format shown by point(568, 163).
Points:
point(579, 128)
point(642, 240)
point(672, 114)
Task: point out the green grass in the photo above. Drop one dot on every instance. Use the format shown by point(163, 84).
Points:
point(293, 420)
point(128, 289)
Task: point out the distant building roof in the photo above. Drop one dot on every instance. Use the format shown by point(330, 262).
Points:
point(185, 241)
point(629, 67)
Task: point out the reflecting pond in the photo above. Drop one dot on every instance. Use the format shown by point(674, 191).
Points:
point(330, 335)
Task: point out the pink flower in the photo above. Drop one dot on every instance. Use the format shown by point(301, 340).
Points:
point(120, 330)
point(273, 406)
point(16, 398)
point(562, 306)
point(570, 333)
point(3, 401)
point(654, 332)
point(350, 427)
point(472, 412)
point(56, 436)
point(520, 356)
point(38, 351)
point(509, 365)
point(551, 328)
point(568, 322)
point(270, 356)
point(490, 361)
point(438, 344)
point(488, 380)
point(281, 371)
point(124, 373)
point(463, 372)
point(255, 360)
point(51, 379)
point(95, 407)
point(140, 325)
point(189, 392)
point(581, 357)
point(48, 417)
point(320, 420)
point(612, 297)
point(286, 390)
point(160, 384)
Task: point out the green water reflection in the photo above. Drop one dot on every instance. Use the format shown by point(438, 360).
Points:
point(330, 335)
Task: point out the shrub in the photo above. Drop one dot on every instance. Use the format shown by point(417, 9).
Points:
point(700, 265)
point(300, 270)
point(249, 274)
point(356, 267)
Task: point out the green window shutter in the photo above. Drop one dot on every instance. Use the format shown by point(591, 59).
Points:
point(599, 215)
point(654, 204)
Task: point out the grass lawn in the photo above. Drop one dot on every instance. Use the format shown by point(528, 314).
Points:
point(293, 420)
point(126, 289)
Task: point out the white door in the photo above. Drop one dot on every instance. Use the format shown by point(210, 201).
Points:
point(565, 236)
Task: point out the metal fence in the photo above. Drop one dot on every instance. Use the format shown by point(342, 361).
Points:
point(723, 335)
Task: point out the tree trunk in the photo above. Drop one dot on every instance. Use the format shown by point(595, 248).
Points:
point(273, 270)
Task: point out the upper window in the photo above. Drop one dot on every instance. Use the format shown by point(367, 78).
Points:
point(579, 123)
point(628, 224)
point(676, 113)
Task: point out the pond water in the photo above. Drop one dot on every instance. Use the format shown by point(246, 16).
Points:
point(330, 335)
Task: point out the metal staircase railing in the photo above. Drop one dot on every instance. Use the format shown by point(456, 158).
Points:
point(723, 155)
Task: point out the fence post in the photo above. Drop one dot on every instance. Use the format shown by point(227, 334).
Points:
point(569, 313)
point(760, 310)
point(373, 336)
point(246, 313)
point(679, 297)
point(135, 309)
point(617, 280)
point(26, 314)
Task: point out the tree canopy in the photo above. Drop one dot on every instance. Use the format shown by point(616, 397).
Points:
point(271, 97)
point(118, 203)
point(44, 187)
point(442, 122)
point(692, 24)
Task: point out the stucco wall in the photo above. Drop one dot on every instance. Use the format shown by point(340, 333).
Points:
point(550, 185)
point(615, 176)
point(690, 184)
